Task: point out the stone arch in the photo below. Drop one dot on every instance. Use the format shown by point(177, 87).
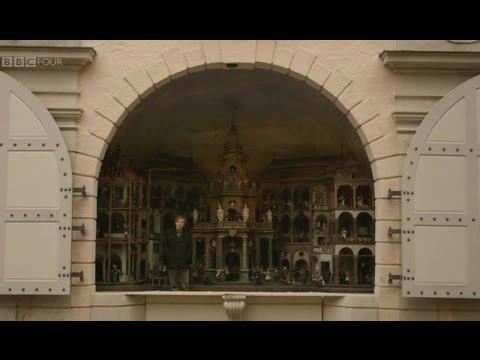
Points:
point(182, 60)
point(179, 61)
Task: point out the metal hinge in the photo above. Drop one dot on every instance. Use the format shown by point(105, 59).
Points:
point(77, 274)
point(80, 228)
point(392, 277)
point(393, 231)
point(392, 193)
point(82, 190)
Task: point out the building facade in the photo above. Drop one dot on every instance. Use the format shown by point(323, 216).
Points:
point(353, 161)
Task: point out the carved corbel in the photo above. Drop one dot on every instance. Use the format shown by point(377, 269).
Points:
point(234, 305)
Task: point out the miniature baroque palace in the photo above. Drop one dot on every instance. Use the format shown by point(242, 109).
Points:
point(302, 220)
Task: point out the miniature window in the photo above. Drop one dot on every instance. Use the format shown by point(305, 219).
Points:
point(344, 197)
point(363, 196)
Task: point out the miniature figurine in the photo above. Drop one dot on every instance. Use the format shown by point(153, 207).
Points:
point(344, 233)
point(269, 216)
point(268, 275)
point(360, 202)
point(195, 215)
point(220, 213)
point(245, 213)
point(341, 200)
point(115, 273)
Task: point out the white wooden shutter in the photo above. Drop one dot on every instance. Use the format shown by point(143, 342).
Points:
point(35, 196)
point(440, 200)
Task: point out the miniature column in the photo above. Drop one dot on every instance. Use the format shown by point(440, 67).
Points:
point(257, 252)
point(244, 253)
point(355, 270)
point(219, 253)
point(336, 269)
point(354, 231)
point(206, 255)
point(270, 252)
point(194, 252)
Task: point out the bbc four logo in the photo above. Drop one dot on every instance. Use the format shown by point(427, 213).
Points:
point(29, 61)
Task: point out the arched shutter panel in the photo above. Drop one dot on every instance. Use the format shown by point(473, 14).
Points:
point(35, 196)
point(440, 200)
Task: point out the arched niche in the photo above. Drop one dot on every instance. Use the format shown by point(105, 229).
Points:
point(363, 196)
point(345, 197)
point(365, 227)
point(345, 225)
point(301, 228)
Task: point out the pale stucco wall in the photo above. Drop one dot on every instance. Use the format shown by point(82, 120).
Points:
point(351, 73)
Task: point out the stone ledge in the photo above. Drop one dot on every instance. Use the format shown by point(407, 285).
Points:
point(432, 62)
point(408, 121)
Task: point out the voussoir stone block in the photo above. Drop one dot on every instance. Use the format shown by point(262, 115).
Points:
point(301, 64)
point(282, 58)
point(112, 110)
point(86, 165)
point(158, 73)
point(364, 111)
point(175, 62)
point(386, 146)
point(348, 99)
point(264, 54)
point(212, 52)
point(389, 167)
point(238, 51)
point(376, 128)
point(140, 81)
point(102, 128)
point(335, 84)
point(318, 75)
point(195, 59)
point(91, 145)
point(127, 96)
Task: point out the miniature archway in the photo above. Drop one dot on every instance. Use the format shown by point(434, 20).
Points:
point(345, 223)
point(346, 269)
point(365, 266)
point(365, 227)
